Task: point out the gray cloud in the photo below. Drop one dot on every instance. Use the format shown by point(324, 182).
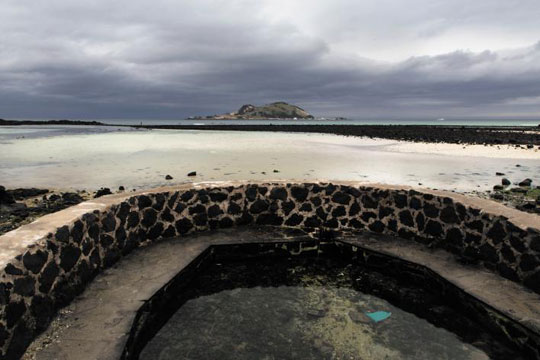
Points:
point(167, 59)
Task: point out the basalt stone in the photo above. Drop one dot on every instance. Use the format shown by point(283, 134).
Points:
point(160, 202)
point(355, 223)
point(108, 223)
point(269, 219)
point(106, 240)
point(4, 335)
point(462, 211)
point(93, 232)
point(62, 234)
point(306, 207)
point(214, 211)
point(69, 257)
point(294, 220)
point(111, 257)
point(234, 209)
point(321, 213)
point(5, 292)
point(169, 232)
point(415, 203)
point(368, 215)
point(144, 202)
point(529, 262)
point(339, 211)
point(508, 254)
point(35, 261)
point(507, 272)
point(133, 219)
point(48, 276)
point(433, 228)
point(203, 198)
point(535, 243)
point(312, 222)
point(22, 336)
point(431, 211)
point(200, 219)
point(274, 206)
point(262, 190)
point(518, 244)
point(316, 201)
point(218, 196)
point(533, 281)
point(299, 193)
point(89, 219)
point(392, 225)
point(400, 200)
point(186, 196)
point(449, 216)
point(14, 311)
point(11, 269)
point(454, 237)
point(226, 222)
point(149, 217)
point(87, 244)
point(259, 206)
point(77, 231)
point(316, 188)
point(488, 253)
point(24, 286)
point(385, 211)
point(197, 209)
point(236, 197)
point(179, 208)
point(120, 236)
point(428, 196)
point(406, 218)
point(376, 226)
point(471, 238)
point(341, 198)
point(497, 232)
point(331, 223)
point(354, 209)
point(123, 211)
point(172, 199)
point(329, 189)
point(405, 233)
point(251, 193)
point(477, 225)
point(288, 206)
point(166, 216)
point(155, 231)
point(245, 219)
point(42, 309)
point(353, 191)
point(278, 194)
point(95, 258)
point(369, 203)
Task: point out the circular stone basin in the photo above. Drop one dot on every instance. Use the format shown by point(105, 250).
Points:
point(310, 308)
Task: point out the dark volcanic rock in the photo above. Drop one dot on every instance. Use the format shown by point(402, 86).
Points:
point(192, 173)
point(168, 177)
point(102, 192)
point(526, 182)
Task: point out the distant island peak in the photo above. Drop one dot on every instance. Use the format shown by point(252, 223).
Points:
point(275, 110)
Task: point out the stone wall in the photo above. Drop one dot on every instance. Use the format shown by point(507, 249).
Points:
point(54, 269)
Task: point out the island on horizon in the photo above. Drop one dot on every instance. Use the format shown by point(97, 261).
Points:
point(275, 110)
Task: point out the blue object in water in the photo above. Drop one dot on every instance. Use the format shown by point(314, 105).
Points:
point(378, 316)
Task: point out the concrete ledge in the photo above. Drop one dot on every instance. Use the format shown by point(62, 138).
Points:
point(47, 263)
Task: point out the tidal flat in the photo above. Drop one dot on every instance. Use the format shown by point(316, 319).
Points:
point(68, 157)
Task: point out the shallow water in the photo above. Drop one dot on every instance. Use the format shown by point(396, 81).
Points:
point(92, 157)
point(289, 322)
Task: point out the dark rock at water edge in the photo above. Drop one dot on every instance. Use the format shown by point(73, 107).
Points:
point(102, 192)
point(192, 173)
point(168, 177)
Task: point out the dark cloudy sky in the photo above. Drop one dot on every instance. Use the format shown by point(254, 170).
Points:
point(365, 58)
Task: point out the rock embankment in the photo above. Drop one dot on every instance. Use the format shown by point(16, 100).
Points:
point(527, 137)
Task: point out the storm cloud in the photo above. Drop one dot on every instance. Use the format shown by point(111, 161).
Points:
point(170, 59)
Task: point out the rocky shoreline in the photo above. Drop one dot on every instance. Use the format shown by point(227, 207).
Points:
point(528, 137)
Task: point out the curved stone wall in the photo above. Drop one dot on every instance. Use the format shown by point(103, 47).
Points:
point(54, 268)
